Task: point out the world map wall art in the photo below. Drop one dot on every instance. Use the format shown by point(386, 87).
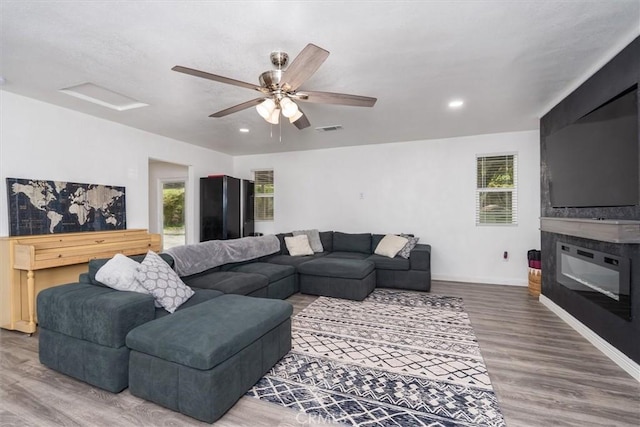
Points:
point(46, 207)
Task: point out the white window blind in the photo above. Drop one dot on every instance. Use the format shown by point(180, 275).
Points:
point(496, 190)
point(263, 192)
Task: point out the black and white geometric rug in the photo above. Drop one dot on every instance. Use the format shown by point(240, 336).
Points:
point(398, 358)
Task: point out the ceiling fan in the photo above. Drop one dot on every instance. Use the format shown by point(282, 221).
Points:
point(280, 88)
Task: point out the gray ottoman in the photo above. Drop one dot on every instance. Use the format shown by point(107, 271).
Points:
point(338, 277)
point(200, 361)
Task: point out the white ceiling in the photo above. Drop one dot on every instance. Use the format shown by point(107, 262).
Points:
point(509, 60)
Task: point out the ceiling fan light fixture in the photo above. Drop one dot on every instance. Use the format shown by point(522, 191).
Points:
point(279, 88)
point(274, 118)
point(266, 108)
point(289, 108)
point(295, 117)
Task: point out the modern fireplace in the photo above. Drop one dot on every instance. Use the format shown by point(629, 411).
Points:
point(600, 277)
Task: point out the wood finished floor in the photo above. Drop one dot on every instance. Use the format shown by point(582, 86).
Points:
point(543, 372)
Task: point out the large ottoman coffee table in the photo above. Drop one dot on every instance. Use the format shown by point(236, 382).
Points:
point(338, 277)
point(201, 360)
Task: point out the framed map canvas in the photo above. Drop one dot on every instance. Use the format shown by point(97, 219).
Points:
point(46, 207)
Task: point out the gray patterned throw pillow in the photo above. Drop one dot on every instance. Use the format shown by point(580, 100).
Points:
point(406, 251)
point(156, 276)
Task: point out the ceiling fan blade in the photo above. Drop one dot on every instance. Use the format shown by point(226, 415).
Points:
point(306, 63)
point(335, 98)
point(237, 108)
point(302, 122)
point(217, 78)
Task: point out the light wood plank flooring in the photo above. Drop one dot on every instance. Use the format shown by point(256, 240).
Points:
point(544, 373)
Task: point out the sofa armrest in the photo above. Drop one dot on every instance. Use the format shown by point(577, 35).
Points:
point(420, 257)
point(84, 278)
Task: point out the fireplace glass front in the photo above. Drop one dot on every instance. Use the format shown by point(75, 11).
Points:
point(600, 277)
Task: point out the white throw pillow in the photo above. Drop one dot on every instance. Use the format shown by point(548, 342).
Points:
point(390, 245)
point(314, 239)
point(162, 282)
point(120, 273)
point(298, 245)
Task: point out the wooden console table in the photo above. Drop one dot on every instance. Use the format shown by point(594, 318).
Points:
point(57, 259)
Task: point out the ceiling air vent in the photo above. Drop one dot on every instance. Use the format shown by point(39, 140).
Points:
point(329, 128)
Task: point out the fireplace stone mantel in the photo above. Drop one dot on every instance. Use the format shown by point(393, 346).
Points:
point(605, 230)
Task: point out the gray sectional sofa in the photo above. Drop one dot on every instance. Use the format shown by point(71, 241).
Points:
point(413, 273)
point(106, 337)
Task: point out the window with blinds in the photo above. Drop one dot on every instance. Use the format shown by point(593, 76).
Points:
point(496, 190)
point(263, 195)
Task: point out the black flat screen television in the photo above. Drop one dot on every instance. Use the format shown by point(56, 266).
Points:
point(594, 161)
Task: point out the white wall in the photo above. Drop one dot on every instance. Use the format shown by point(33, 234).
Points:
point(422, 187)
point(43, 141)
point(425, 187)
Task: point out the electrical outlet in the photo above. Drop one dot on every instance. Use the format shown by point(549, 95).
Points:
point(361, 196)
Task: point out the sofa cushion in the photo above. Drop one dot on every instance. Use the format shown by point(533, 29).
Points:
point(349, 242)
point(337, 267)
point(199, 295)
point(298, 245)
point(294, 260)
point(386, 263)
point(209, 333)
point(228, 282)
point(314, 239)
point(273, 272)
point(96, 264)
point(348, 255)
point(326, 237)
point(375, 240)
point(390, 245)
point(156, 276)
point(93, 313)
point(283, 245)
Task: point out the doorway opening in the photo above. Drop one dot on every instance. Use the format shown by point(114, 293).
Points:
point(173, 213)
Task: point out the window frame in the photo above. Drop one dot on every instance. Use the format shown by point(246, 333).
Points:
point(483, 190)
point(257, 195)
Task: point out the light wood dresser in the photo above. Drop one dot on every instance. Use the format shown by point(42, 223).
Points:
point(29, 264)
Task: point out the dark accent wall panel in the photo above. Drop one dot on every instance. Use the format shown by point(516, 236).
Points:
point(618, 332)
point(622, 72)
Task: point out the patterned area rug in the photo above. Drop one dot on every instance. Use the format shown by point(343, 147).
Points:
point(398, 358)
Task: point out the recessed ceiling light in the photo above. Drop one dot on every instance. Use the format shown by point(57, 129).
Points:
point(456, 103)
point(101, 96)
point(244, 130)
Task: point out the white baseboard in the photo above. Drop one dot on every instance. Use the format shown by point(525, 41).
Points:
point(619, 358)
point(481, 280)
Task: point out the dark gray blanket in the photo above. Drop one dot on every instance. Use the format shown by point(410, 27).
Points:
point(196, 258)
